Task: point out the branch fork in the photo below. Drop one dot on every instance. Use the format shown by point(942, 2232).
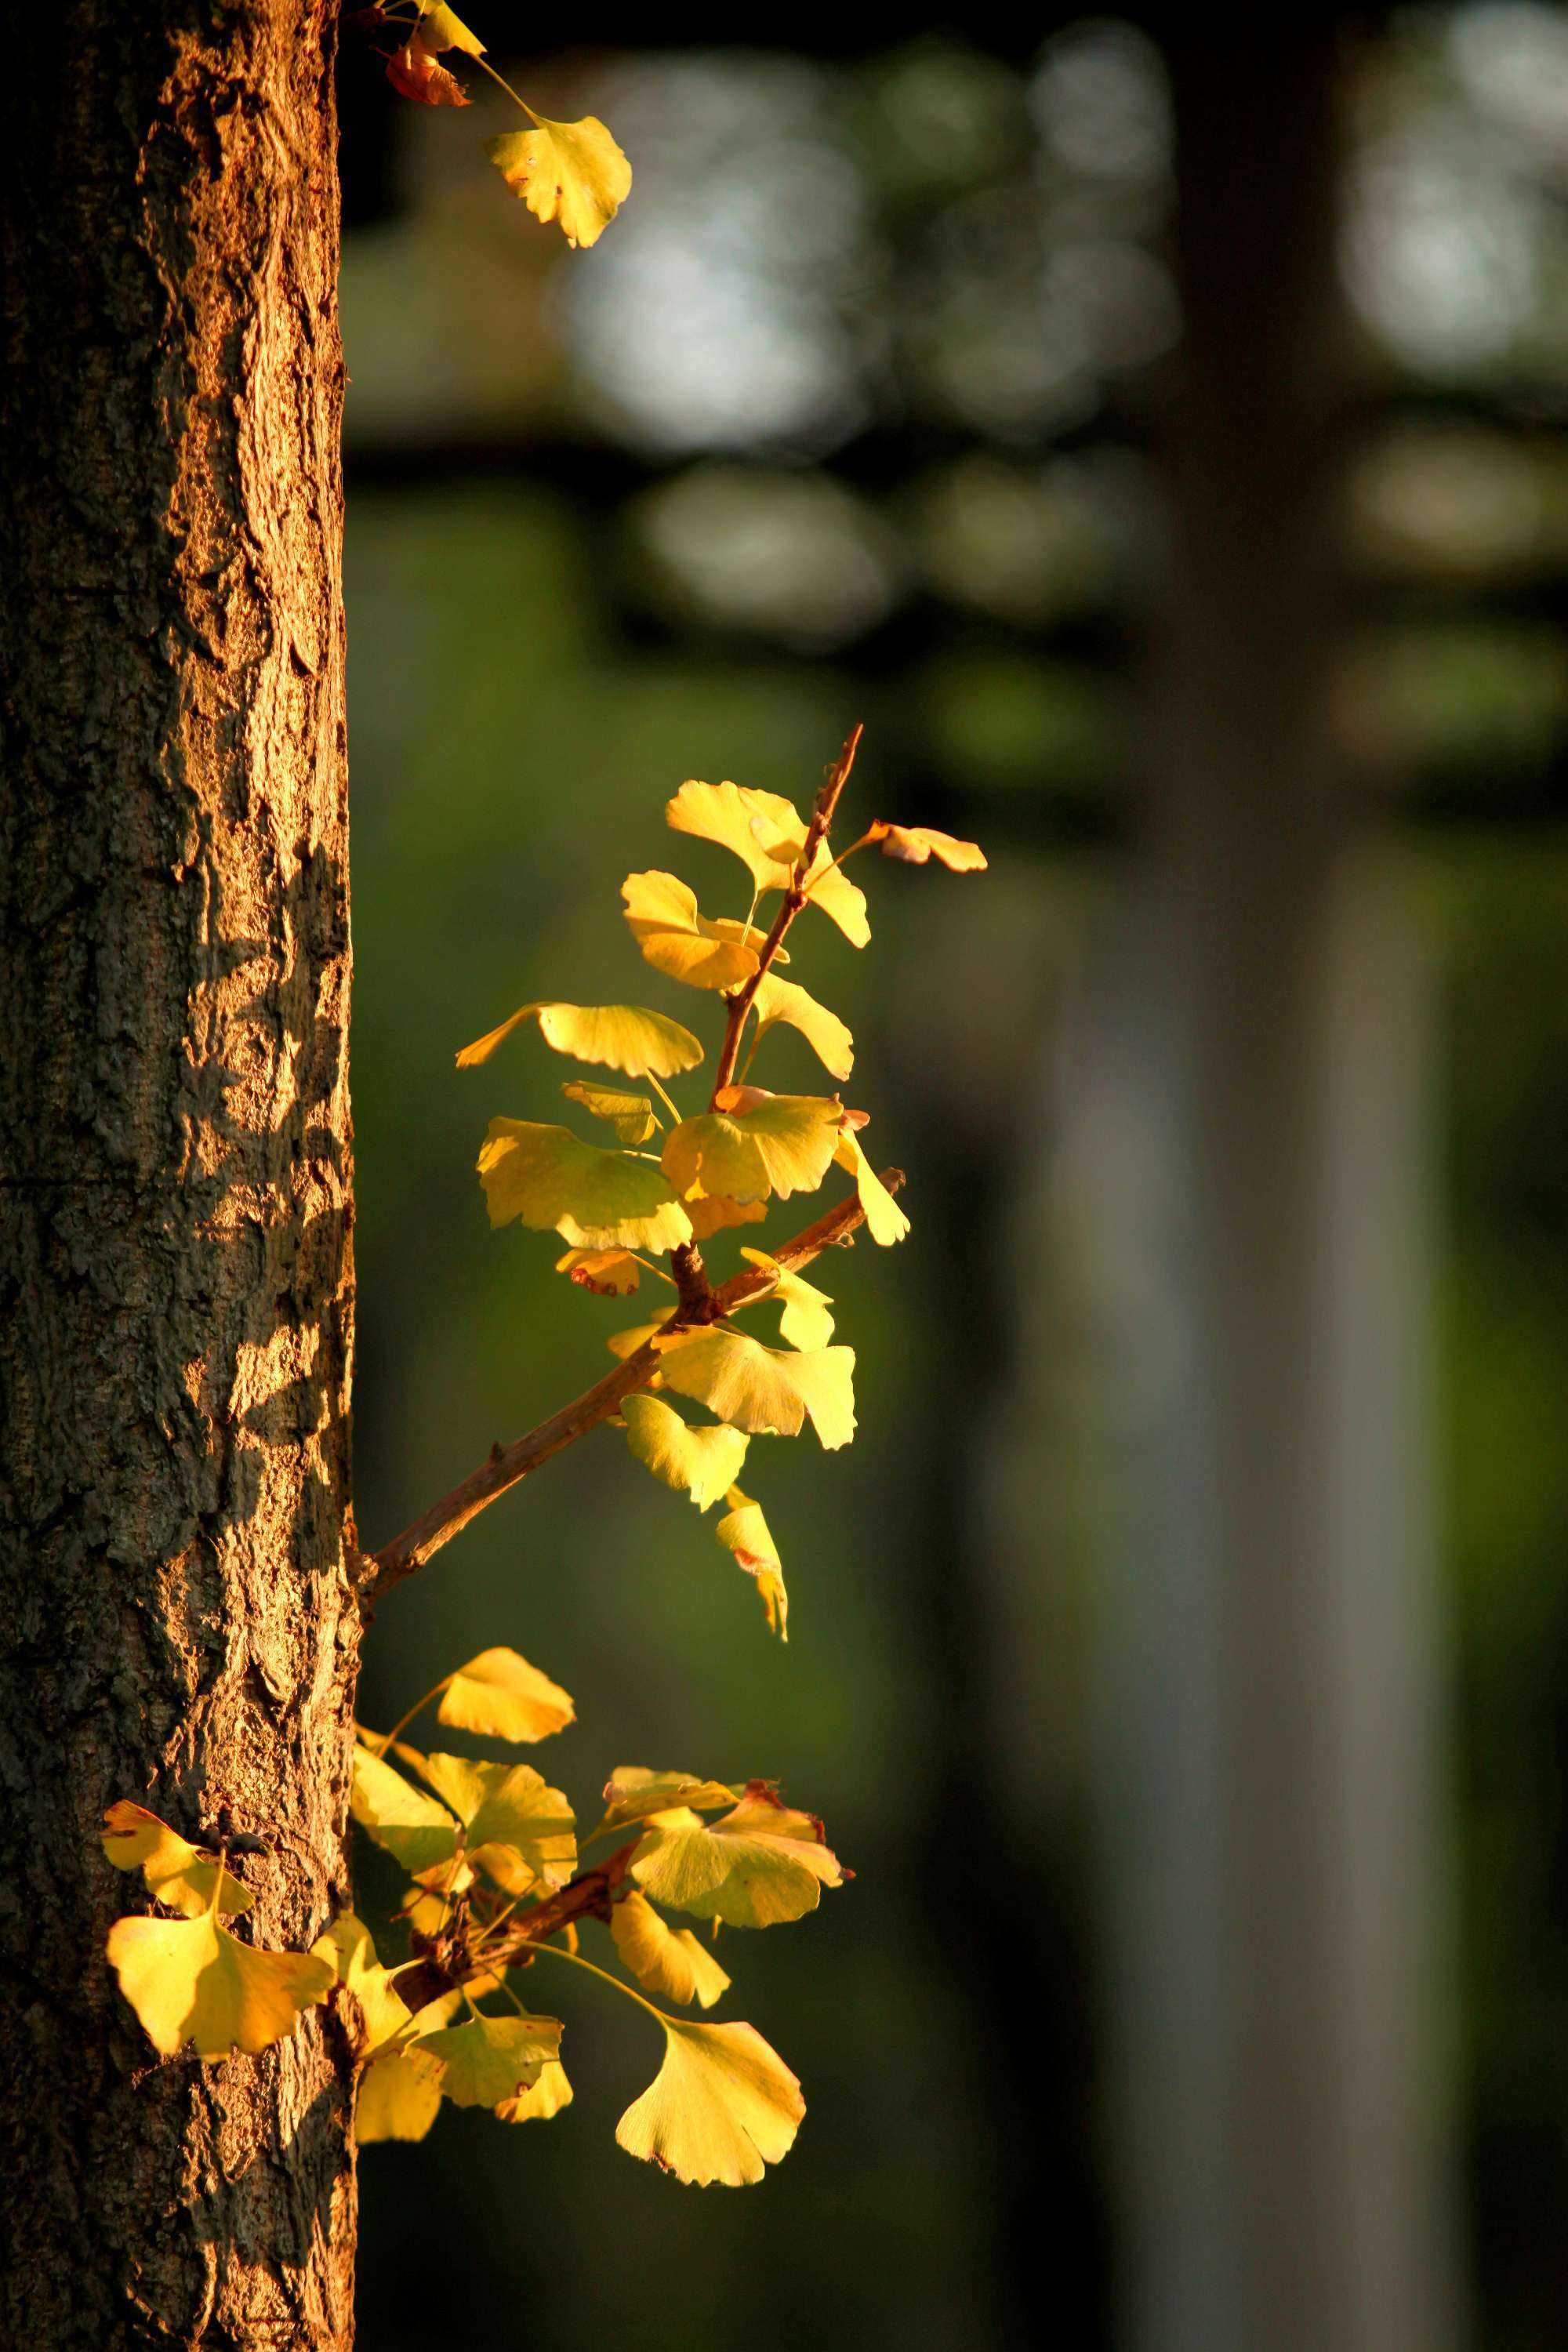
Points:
point(699, 1303)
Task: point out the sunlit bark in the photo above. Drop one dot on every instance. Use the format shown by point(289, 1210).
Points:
point(175, 1295)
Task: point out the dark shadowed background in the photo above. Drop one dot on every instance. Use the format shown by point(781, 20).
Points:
point(1162, 445)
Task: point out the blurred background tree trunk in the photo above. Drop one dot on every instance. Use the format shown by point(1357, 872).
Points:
point(176, 1287)
point(1271, 1710)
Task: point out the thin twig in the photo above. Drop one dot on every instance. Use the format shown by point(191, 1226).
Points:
point(794, 898)
point(508, 1464)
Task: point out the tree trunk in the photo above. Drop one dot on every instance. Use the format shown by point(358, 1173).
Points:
point(176, 1293)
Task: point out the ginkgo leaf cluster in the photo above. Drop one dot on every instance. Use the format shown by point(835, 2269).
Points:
point(495, 1877)
point(439, 2005)
point(669, 1180)
point(570, 172)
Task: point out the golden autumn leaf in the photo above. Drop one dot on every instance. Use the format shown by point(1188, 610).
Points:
point(540, 2100)
point(593, 1199)
point(722, 2105)
point(511, 1816)
point(827, 885)
point(174, 1870)
point(415, 1830)
point(671, 1961)
point(915, 844)
point(631, 1116)
point(500, 1695)
point(885, 1220)
point(766, 1390)
point(191, 1981)
point(806, 1322)
point(399, 2095)
point(380, 2012)
point(714, 1214)
point(753, 1144)
point(624, 1037)
point(399, 2088)
point(829, 888)
point(414, 73)
point(569, 172)
point(704, 1461)
point(489, 2059)
point(756, 827)
point(441, 27)
point(661, 915)
point(425, 1907)
point(608, 1274)
point(627, 1343)
point(783, 1001)
point(746, 1534)
point(632, 1792)
point(768, 834)
point(757, 1866)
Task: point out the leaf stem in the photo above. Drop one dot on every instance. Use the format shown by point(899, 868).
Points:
point(651, 1266)
point(555, 1952)
point(843, 857)
point(673, 1108)
point(404, 1721)
point(501, 83)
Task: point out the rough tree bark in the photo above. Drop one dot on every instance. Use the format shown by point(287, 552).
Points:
point(176, 1296)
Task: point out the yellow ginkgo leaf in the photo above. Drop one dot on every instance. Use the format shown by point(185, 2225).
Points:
point(511, 1814)
point(753, 1144)
point(839, 898)
point(662, 915)
point(490, 2059)
point(745, 1533)
point(569, 172)
point(768, 834)
point(807, 1321)
point(766, 1390)
point(782, 1000)
point(722, 2105)
point(440, 29)
point(627, 1343)
point(416, 73)
point(781, 833)
point(885, 1220)
point(174, 1872)
point(744, 935)
point(769, 838)
point(624, 1037)
point(412, 1826)
point(762, 829)
point(665, 1959)
point(380, 2013)
point(501, 1697)
point(539, 2100)
point(608, 1274)
point(631, 1116)
point(593, 1199)
point(757, 1866)
point(632, 1792)
point(399, 2095)
point(190, 1980)
point(425, 1907)
point(915, 844)
point(705, 1462)
point(714, 1214)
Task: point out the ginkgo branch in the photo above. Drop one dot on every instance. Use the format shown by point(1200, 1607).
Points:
point(794, 899)
point(589, 1895)
point(508, 1464)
